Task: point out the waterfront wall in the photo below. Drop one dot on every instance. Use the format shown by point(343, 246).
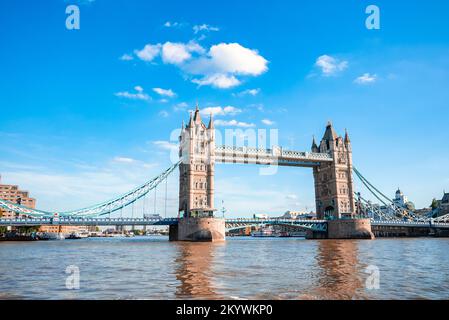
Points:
point(403, 232)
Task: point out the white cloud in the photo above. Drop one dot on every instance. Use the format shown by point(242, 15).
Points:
point(133, 96)
point(175, 53)
point(230, 58)
point(165, 145)
point(138, 95)
point(228, 110)
point(178, 53)
point(267, 122)
point(164, 92)
point(218, 67)
point(163, 113)
point(124, 160)
point(366, 78)
point(180, 106)
point(250, 92)
point(170, 24)
point(218, 80)
point(204, 27)
point(330, 65)
point(233, 123)
point(149, 52)
point(127, 57)
point(292, 196)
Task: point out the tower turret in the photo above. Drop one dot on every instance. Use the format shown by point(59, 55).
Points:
point(211, 122)
point(314, 145)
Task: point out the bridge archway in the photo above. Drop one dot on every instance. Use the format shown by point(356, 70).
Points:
point(329, 211)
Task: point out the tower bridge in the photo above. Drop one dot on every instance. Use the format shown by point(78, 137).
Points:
point(335, 195)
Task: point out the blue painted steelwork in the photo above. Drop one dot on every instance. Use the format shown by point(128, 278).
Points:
point(98, 210)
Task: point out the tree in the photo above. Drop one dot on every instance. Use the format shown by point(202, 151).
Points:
point(434, 204)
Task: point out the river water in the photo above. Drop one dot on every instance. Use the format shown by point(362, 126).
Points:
point(241, 268)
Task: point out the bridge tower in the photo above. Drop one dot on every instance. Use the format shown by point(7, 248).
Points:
point(196, 183)
point(334, 190)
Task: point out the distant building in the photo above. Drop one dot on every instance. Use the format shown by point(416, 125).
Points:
point(260, 216)
point(12, 193)
point(443, 205)
point(400, 199)
point(298, 215)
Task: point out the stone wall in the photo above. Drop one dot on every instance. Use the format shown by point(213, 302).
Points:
point(198, 229)
point(349, 229)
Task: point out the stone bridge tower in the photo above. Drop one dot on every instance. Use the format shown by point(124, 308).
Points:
point(334, 190)
point(196, 183)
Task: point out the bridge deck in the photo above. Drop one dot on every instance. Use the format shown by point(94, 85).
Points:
point(276, 156)
point(173, 221)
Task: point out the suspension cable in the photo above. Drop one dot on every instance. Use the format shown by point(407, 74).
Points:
point(165, 205)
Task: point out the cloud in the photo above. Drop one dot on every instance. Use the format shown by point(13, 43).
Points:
point(291, 196)
point(138, 95)
point(204, 27)
point(165, 145)
point(220, 81)
point(170, 24)
point(366, 78)
point(330, 66)
point(233, 123)
point(149, 52)
point(182, 106)
point(230, 58)
point(126, 57)
point(248, 92)
point(163, 113)
point(228, 110)
point(218, 67)
point(267, 122)
point(124, 160)
point(178, 53)
point(164, 92)
point(175, 53)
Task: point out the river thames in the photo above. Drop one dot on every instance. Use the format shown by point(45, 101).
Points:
point(240, 268)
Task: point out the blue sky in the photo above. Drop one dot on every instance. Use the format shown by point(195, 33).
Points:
point(87, 114)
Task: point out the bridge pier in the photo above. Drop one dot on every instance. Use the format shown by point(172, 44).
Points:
point(349, 229)
point(198, 229)
point(344, 229)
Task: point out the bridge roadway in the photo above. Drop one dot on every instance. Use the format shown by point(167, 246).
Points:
point(231, 224)
point(275, 156)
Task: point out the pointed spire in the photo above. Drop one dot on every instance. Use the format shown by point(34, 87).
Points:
point(330, 133)
point(314, 145)
point(347, 140)
point(197, 117)
point(211, 122)
point(190, 125)
point(183, 127)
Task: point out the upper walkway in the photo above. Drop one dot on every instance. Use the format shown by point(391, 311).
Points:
point(275, 156)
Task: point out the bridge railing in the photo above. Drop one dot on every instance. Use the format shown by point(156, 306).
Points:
point(276, 152)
